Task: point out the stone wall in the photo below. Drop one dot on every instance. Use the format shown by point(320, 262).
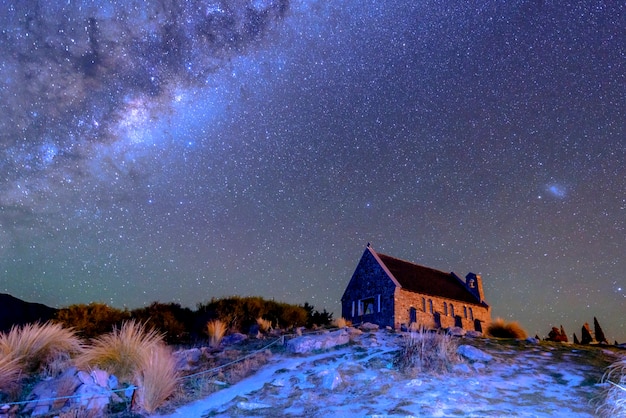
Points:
point(453, 313)
point(369, 281)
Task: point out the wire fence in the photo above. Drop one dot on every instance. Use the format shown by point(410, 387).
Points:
point(133, 388)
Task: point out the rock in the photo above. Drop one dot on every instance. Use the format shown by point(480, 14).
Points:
point(113, 382)
point(532, 340)
point(461, 368)
point(234, 338)
point(305, 344)
point(473, 353)
point(84, 377)
point(187, 359)
point(473, 334)
point(456, 331)
point(43, 393)
point(353, 332)
point(100, 377)
point(368, 327)
point(252, 406)
point(93, 397)
point(331, 379)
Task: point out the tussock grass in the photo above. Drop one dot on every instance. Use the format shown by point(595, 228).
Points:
point(122, 352)
point(341, 323)
point(216, 330)
point(10, 373)
point(157, 379)
point(499, 328)
point(425, 351)
point(34, 345)
point(614, 396)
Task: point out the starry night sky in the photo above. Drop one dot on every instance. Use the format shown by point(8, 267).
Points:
point(178, 151)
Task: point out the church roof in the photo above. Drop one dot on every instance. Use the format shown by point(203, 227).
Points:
point(425, 280)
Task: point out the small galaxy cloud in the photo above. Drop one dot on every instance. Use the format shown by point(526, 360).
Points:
point(557, 190)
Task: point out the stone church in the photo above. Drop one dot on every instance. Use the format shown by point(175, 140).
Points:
point(391, 292)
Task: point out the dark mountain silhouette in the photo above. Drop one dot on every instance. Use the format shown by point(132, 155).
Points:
point(14, 311)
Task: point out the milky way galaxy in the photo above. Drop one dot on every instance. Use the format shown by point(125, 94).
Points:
point(178, 151)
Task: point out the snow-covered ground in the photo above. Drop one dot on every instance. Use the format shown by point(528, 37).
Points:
point(359, 380)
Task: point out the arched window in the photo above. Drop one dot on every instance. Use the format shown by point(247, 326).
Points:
point(465, 311)
point(445, 308)
point(451, 310)
point(430, 305)
point(471, 314)
point(424, 304)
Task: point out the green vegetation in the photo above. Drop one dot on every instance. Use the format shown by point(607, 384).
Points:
point(240, 313)
point(91, 320)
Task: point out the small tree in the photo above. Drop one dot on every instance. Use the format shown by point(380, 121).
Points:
point(586, 334)
point(597, 330)
point(563, 335)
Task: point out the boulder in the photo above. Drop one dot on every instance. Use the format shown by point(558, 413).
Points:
point(368, 327)
point(187, 360)
point(473, 354)
point(234, 338)
point(456, 332)
point(308, 343)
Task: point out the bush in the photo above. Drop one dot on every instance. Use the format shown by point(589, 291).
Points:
point(216, 330)
point(501, 329)
point(170, 319)
point(316, 318)
point(614, 402)
point(91, 320)
point(122, 352)
point(32, 346)
point(240, 313)
point(264, 324)
point(425, 351)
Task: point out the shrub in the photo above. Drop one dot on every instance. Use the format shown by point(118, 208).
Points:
point(264, 324)
point(216, 330)
point(239, 313)
point(34, 345)
point(501, 329)
point(614, 402)
point(425, 351)
point(341, 322)
point(316, 318)
point(91, 320)
point(170, 319)
point(157, 379)
point(123, 351)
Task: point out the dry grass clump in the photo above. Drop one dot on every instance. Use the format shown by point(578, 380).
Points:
point(216, 330)
point(10, 373)
point(264, 324)
point(425, 351)
point(122, 352)
point(157, 379)
point(501, 329)
point(32, 346)
point(614, 402)
point(341, 323)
